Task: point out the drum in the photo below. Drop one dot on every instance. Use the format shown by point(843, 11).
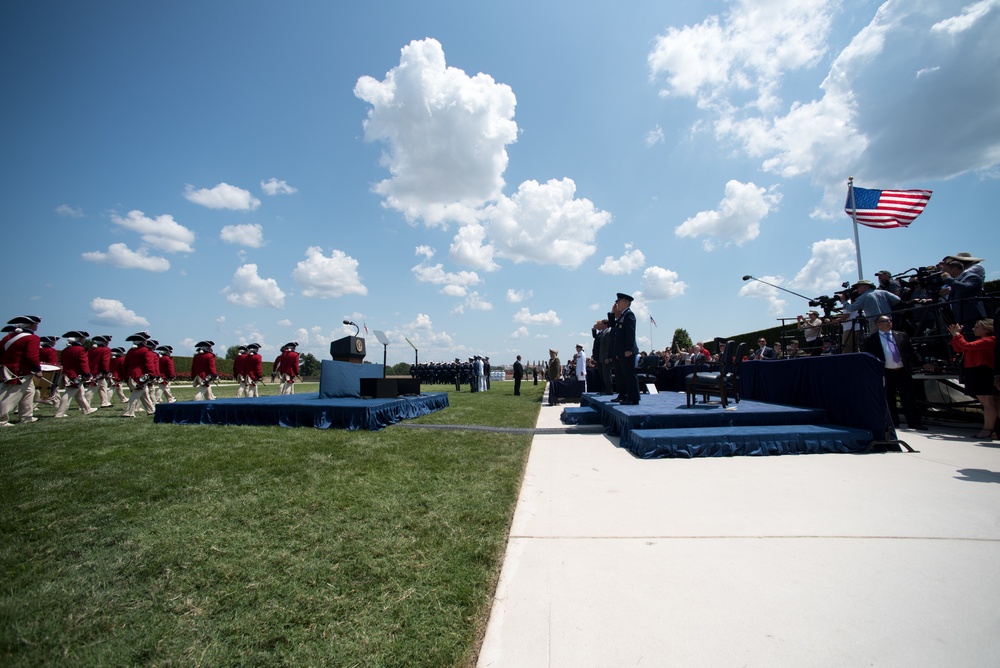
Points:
point(45, 385)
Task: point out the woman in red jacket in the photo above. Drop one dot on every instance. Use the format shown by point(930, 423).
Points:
point(978, 364)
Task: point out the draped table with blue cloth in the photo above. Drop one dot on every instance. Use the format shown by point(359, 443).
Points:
point(849, 387)
point(565, 390)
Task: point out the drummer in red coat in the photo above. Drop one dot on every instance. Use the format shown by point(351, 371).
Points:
point(203, 370)
point(99, 357)
point(76, 374)
point(253, 367)
point(288, 367)
point(19, 356)
point(49, 356)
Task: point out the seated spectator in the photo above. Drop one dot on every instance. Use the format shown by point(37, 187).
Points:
point(793, 350)
point(764, 351)
point(779, 354)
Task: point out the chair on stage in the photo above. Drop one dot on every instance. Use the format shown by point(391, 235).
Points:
point(724, 383)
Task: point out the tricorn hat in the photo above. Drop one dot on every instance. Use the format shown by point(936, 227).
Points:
point(138, 336)
point(48, 340)
point(24, 320)
point(101, 338)
point(290, 344)
point(75, 334)
point(253, 346)
point(204, 344)
point(118, 351)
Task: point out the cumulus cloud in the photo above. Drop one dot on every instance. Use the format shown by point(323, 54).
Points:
point(771, 295)
point(276, 187)
point(546, 224)
point(832, 260)
point(424, 251)
point(519, 333)
point(69, 211)
point(454, 284)
point(222, 196)
point(631, 260)
point(477, 303)
point(526, 317)
point(444, 134)
point(121, 256)
point(249, 289)
point(162, 232)
point(113, 313)
point(736, 221)
point(660, 283)
point(243, 235)
point(518, 296)
point(469, 248)
point(326, 277)
point(924, 57)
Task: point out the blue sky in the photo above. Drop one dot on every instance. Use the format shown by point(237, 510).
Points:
point(478, 179)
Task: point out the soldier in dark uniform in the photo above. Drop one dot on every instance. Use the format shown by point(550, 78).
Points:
point(626, 351)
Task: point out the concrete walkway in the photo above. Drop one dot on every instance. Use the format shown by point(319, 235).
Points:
point(813, 560)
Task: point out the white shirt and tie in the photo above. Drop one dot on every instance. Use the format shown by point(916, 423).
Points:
point(893, 360)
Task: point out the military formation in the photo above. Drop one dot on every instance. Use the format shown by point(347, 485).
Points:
point(475, 372)
point(89, 374)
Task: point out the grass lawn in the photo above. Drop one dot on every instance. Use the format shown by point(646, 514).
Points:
point(126, 542)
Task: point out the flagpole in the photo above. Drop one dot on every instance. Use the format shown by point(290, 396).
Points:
point(854, 217)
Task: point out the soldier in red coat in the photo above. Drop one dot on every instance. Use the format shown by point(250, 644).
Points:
point(117, 370)
point(19, 357)
point(76, 374)
point(45, 392)
point(99, 357)
point(253, 367)
point(239, 371)
point(167, 374)
point(142, 367)
point(288, 367)
point(203, 370)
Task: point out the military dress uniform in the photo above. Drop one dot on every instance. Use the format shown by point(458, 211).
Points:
point(76, 373)
point(99, 357)
point(167, 373)
point(142, 367)
point(19, 355)
point(203, 371)
point(239, 372)
point(288, 367)
point(254, 370)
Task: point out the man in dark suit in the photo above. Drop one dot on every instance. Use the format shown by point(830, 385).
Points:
point(518, 374)
point(764, 352)
point(626, 350)
point(895, 350)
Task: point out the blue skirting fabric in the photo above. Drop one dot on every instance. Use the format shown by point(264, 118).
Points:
point(762, 440)
point(581, 415)
point(565, 390)
point(669, 411)
point(302, 410)
point(849, 387)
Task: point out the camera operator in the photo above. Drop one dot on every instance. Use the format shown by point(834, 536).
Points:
point(870, 301)
point(812, 327)
point(920, 292)
point(964, 284)
point(887, 282)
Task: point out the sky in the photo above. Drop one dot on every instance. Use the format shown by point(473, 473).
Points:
point(479, 178)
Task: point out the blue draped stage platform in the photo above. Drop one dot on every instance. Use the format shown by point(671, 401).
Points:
point(805, 405)
point(303, 410)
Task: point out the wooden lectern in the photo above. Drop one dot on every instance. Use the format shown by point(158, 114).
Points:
point(348, 349)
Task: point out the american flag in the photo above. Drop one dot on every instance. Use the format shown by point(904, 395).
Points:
point(653, 321)
point(886, 208)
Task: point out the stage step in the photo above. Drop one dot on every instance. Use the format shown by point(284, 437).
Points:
point(581, 415)
point(746, 440)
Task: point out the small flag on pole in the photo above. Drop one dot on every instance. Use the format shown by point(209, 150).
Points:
point(365, 326)
point(886, 208)
point(653, 321)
